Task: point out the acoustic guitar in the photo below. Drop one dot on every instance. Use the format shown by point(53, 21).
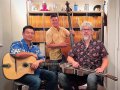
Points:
point(14, 68)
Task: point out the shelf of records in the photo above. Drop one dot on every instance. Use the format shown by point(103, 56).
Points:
point(40, 36)
point(41, 19)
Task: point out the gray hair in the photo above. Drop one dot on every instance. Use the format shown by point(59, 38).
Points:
point(86, 23)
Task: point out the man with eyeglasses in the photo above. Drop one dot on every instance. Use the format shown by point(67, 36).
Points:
point(90, 54)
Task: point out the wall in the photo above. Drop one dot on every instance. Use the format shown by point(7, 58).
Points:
point(13, 18)
point(7, 38)
point(18, 18)
point(114, 43)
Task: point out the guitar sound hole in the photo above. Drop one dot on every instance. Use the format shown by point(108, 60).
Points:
point(25, 65)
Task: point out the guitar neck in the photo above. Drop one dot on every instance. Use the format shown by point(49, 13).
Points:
point(99, 74)
point(110, 76)
point(49, 64)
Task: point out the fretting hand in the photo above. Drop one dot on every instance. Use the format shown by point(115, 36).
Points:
point(36, 64)
point(99, 70)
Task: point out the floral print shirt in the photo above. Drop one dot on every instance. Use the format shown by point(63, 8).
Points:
point(21, 46)
point(90, 57)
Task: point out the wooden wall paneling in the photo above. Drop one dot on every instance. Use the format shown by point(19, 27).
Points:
point(39, 36)
point(78, 36)
point(61, 21)
point(75, 23)
point(47, 21)
point(40, 21)
point(96, 35)
point(29, 20)
point(80, 20)
point(66, 22)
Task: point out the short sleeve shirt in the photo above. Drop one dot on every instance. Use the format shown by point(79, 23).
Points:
point(56, 36)
point(21, 46)
point(90, 57)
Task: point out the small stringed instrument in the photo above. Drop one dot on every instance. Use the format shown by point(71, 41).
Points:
point(14, 68)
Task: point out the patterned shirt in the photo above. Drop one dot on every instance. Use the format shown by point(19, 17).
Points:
point(90, 57)
point(21, 46)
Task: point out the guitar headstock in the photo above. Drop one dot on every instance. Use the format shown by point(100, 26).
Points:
point(111, 77)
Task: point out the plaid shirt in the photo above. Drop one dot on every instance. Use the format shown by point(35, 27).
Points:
point(90, 57)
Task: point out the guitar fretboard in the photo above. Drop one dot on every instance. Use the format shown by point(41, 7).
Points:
point(49, 64)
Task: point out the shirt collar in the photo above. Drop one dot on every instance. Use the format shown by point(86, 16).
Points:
point(56, 29)
point(83, 41)
point(24, 43)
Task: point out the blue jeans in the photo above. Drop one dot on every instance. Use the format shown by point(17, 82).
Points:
point(67, 81)
point(34, 81)
point(56, 68)
point(93, 80)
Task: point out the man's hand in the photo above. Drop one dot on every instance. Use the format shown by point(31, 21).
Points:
point(64, 44)
point(99, 70)
point(75, 64)
point(36, 64)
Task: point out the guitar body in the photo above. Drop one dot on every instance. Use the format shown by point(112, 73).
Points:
point(16, 68)
point(68, 69)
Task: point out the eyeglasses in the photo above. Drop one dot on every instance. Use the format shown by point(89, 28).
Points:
point(86, 29)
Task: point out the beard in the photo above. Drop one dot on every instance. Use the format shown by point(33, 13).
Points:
point(86, 38)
